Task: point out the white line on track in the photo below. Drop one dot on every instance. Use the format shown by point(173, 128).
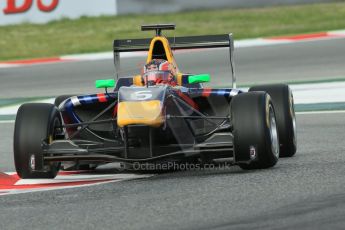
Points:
point(7, 122)
point(19, 191)
point(62, 181)
point(320, 112)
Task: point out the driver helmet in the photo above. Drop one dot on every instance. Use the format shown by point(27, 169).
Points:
point(159, 71)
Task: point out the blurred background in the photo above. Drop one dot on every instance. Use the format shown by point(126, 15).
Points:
point(42, 11)
point(46, 28)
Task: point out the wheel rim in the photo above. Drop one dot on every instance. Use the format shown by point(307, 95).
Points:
point(53, 136)
point(273, 133)
point(56, 128)
point(293, 116)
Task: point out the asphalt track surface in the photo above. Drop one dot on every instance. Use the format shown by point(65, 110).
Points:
point(303, 192)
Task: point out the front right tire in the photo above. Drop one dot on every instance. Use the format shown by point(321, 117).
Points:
point(283, 102)
point(255, 135)
point(61, 98)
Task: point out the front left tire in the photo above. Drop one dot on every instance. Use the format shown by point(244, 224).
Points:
point(35, 122)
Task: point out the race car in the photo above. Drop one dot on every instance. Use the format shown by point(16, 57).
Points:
point(159, 115)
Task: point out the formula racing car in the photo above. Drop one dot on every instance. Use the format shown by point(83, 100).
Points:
point(159, 115)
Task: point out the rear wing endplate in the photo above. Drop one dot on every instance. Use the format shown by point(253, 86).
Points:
point(178, 43)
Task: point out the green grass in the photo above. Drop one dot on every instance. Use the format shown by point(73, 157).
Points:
point(90, 34)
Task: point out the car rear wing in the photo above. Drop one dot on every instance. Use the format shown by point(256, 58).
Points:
point(178, 43)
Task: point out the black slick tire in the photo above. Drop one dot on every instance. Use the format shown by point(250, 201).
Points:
point(256, 141)
point(283, 102)
point(34, 123)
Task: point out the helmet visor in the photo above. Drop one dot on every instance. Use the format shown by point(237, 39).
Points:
point(157, 76)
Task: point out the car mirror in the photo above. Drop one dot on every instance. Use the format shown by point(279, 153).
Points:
point(200, 78)
point(105, 83)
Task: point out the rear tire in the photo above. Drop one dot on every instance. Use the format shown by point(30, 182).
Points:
point(34, 123)
point(256, 142)
point(60, 99)
point(57, 103)
point(283, 103)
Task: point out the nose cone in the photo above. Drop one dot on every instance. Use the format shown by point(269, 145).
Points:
point(140, 113)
